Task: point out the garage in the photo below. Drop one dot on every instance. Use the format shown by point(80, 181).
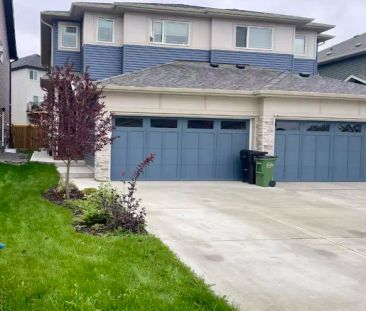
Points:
point(186, 149)
point(320, 151)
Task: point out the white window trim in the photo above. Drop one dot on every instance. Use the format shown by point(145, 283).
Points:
point(62, 48)
point(305, 44)
point(106, 19)
point(163, 21)
point(248, 35)
point(34, 73)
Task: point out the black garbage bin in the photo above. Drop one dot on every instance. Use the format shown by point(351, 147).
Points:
point(247, 159)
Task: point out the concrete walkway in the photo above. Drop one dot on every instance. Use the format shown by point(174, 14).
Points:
point(294, 247)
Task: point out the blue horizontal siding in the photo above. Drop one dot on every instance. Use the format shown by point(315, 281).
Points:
point(102, 61)
point(60, 58)
point(305, 65)
point(140, 57)
point(266, 60)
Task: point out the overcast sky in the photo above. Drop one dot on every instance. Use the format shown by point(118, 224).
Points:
point(349, 16)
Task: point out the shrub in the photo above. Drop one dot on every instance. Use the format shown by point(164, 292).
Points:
point(108, 210)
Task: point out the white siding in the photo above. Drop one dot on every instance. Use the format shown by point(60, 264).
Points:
point(22, 91)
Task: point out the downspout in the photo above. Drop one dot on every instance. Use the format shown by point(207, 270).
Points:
point(3, 127)
point(10, 143)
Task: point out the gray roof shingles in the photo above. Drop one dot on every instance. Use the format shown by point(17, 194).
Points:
point(31, 61)
point(197, 75)
point(351, 47)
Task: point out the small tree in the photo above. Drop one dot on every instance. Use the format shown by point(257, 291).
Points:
point(72, 117)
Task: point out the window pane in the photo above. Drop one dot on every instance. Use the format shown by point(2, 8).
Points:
point(233, 125)
point(129, 122)
point(300, 45)
point(241, 37)
point(164, 123)
point(31, 74)
point(176, 33)
point(318, 127)
point(157, 35)
point(35, 99)
point(69, 37)
point(287, 126)
point(200, 124)
point(260, 38)
point(349, 127)
point(105, 30)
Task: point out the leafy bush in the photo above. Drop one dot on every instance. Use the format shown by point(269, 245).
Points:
point(88, 191)
point(108, 210)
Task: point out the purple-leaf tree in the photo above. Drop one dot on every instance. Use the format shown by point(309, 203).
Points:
point(72, 117)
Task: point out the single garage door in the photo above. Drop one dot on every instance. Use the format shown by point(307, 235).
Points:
point(186, 149)
point(320, 151)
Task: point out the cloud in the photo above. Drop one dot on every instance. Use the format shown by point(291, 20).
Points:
point(348, 16)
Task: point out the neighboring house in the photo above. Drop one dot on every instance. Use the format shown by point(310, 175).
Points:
point(345, 61)
point(26, 72)
point(8, 52)
point(195, 85)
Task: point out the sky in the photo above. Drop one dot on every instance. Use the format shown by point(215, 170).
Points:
point(349, 16)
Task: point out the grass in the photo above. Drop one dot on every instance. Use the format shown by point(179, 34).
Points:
point(46, 265)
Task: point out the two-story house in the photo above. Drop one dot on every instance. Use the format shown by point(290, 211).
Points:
point(345, 61)
point(27, 72)
point(8, 52)
point(195, 85)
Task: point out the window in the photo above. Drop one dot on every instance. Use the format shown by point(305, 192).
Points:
point(170, 32)
point(200, 124)
point(317, 127)
point(349, 128)
point(164, 123)
point(254, 37)
point(69, 36)
point(105, 30)
point(300, 45)
point(129, 122)
point(35, 99)
point(233, 125)
point(33, 74)
point(287, 126)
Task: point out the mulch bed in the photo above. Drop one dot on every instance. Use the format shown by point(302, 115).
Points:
point(54, 196)
point(13, 158)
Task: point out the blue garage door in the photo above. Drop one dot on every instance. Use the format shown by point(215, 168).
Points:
point(320, 151)
point(186, 149)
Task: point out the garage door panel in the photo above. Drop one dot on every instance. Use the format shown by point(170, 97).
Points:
point(355, 158)
point(292, 157)
point(195, 150)
point(322, 170)
point(323, 151)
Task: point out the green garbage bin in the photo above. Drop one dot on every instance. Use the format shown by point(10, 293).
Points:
point(264, 169)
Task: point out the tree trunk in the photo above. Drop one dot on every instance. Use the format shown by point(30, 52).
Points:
point(67, 180)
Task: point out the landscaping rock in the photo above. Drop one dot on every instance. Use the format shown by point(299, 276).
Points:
point(13, 158)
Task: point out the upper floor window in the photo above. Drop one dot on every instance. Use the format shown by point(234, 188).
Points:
point(254, 37)
point(69, 36)
point(170, 32)
point(33, 74)
point(105, 30)
point(299, 45)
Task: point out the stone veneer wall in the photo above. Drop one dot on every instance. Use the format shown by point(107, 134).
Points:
point(265, 134)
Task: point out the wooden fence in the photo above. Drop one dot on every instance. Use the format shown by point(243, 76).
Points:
point(26, 137)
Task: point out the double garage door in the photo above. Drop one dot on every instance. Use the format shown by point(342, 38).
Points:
point(320, 151)
point(185, 149)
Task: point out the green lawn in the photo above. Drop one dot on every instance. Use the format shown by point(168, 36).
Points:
point(47, 266)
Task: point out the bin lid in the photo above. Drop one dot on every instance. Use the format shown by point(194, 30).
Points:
point(252, 152)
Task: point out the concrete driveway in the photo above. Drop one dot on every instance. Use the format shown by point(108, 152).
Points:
point(294, 247)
